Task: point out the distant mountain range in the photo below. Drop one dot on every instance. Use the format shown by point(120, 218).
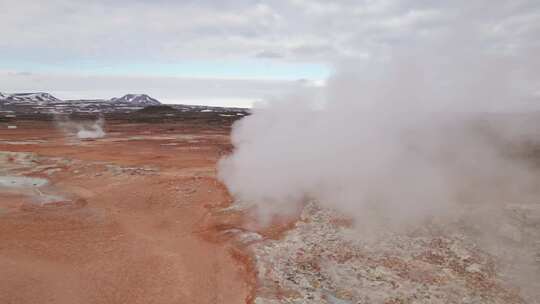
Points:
point(45, 103)
point(137, 99)
point(37, 98)
point(40, 98)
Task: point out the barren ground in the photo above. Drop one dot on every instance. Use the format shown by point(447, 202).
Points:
point(139, 217)
point(123, 219)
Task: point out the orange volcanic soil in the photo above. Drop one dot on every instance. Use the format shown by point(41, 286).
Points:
point(133, 219)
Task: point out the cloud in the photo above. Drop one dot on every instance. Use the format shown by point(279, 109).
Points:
point(136, 29)
point(143, 30)
point(269, 55)
point(61, 33)
point(213, 91)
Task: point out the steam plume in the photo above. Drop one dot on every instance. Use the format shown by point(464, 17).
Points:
point(82, 130)
point(404, 137)
point(93, 131)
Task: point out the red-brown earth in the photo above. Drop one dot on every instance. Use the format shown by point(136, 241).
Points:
point(136, 220)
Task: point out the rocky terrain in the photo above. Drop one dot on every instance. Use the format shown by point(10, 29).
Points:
point(323, 261)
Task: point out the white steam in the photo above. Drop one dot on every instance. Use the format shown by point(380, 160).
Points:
point(82, 130)
point(92, 131)
point(403, 137)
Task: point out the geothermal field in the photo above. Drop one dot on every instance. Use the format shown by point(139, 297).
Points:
point(270, 152)
point(144, 208)
point(124, 218)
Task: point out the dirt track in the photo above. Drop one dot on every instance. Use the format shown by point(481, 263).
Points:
point(133, 224)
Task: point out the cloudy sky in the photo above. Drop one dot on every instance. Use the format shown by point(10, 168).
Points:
point(236, 51)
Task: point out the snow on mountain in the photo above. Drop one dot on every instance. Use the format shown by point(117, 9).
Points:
point(40, 99)
point(36, 98)
point(142, 100)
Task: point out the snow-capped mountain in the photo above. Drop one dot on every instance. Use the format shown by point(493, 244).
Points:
point(44, 103)
point(35, 98)
point(141, 100)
